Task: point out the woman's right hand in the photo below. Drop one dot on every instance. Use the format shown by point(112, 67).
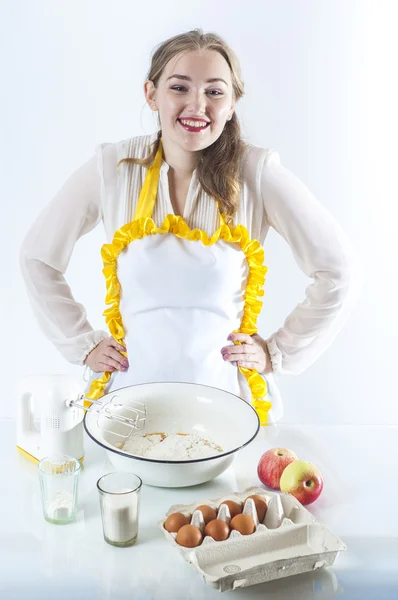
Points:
point(106, 357)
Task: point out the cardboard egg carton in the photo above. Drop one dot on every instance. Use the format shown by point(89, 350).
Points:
point(289, 541)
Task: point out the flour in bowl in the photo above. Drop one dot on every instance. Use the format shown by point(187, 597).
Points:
point(176, 446)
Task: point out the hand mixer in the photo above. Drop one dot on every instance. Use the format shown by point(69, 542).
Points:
point(61, 407)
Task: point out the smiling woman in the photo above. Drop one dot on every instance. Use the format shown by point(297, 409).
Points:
point(195, 111)
point(194, 83)
point(186, 212)
point(198, 98)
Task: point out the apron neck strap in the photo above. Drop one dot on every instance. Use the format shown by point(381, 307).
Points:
point(147, 199)
point(149, 190)
point(222, 220)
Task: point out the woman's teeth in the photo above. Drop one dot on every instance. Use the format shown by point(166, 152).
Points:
point(196, 124)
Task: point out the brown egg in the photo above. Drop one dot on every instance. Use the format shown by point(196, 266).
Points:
point(189, 536)
point(234, 507)
point(243, 523)
point(208, 512)
point(260, 504)
point(175, 521)
point(217, 529)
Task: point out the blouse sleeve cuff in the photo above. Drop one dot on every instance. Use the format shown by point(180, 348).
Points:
point(89, 342)
point(275, 355)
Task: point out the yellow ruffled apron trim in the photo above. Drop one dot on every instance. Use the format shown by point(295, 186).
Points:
point(143, 226)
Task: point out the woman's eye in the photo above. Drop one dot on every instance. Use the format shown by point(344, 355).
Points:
point(182, 88)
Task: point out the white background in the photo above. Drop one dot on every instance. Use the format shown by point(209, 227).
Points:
point(319, 78)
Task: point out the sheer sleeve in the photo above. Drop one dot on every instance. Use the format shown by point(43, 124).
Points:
point(323, 253)
point(44, 257)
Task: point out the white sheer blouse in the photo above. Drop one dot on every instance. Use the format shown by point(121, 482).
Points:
point(271, 197)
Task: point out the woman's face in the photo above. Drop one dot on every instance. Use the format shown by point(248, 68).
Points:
point(194, 98)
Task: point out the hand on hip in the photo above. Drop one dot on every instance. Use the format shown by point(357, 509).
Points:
point(250, 353)
point(107, 357)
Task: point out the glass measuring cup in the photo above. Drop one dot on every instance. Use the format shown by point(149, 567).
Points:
point(120, 507)
point(59, 477)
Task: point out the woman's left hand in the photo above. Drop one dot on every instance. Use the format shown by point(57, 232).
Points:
point(251, 353)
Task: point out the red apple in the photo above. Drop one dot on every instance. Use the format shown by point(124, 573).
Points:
point(272, 464)
point(303, 480)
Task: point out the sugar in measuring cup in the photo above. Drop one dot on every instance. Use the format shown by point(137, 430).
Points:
point(119, 495)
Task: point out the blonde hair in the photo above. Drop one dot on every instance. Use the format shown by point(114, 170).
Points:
point(219, 166)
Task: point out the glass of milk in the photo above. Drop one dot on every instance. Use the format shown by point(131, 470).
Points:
point(59, 477)
point(119, 495)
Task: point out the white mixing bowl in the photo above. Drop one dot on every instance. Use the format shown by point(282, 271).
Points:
point(178, 408)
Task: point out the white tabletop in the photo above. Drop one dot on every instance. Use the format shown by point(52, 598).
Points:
point(360, 468)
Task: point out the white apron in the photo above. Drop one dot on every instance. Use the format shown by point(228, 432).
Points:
point(175, 294)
